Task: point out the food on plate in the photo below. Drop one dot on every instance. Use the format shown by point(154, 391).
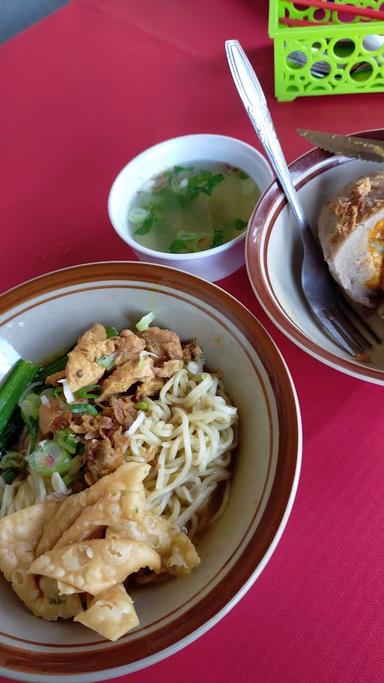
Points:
point(192, 208)
point(109, 461)
point(351, 233)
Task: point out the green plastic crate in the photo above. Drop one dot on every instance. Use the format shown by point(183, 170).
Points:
point(325, 59)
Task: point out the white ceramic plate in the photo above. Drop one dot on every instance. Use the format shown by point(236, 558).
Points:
point(274, 256)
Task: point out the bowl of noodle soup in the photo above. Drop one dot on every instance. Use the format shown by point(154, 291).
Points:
point(222, 447)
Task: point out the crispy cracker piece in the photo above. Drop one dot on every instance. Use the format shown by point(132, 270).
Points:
point(19, 536)
point(109, 510)
point(66, 588)
point(42, 598)
point(64, 517)
point(127, 477)
point(111, 613)
point(177, 552)
point(93, 566)
point(20, 533)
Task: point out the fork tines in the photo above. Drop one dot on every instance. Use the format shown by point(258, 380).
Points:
point(354, 330)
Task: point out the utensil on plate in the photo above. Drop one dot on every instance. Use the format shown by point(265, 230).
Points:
point(347, 145)
point(325, 299)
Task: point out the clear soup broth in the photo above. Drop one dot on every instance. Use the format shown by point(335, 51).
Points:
point(193, 208)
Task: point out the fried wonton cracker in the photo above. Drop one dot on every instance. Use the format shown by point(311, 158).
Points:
point(177, 552)
point(93, 566)
point(127, 477)
point(19, 536)
point(20, 533)
point(41, 596)
point(109, 510)
point(111, 613)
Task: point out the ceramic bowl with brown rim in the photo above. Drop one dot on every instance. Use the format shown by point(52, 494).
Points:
point(45, 316)
point(274, 256)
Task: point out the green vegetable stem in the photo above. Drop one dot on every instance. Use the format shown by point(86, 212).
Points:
point(12, 389)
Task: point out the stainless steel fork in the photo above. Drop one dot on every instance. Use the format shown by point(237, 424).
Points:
point(325, 299)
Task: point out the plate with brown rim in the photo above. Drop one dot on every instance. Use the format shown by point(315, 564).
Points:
point(274, 256)
point(41, 317)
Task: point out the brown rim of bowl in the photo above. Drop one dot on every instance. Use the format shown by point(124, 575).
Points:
point(260, 229)
point(182, 627)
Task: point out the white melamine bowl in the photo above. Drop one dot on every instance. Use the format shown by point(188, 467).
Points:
point(212, 264)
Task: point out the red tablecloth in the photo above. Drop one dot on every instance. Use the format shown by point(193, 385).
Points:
point(81, 93)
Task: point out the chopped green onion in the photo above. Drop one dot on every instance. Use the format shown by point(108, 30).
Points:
point(30, 407)
point(90, 391)
point(107, 362)
point(137, 215)
point(48, 458)
point(142, 405)
point(83, 409)
point(145, 322)
point(66, 439)
point(111, 331)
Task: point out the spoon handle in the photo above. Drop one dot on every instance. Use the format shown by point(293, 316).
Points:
point(253, 98)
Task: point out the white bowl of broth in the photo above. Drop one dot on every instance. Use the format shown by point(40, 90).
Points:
point(186, 202)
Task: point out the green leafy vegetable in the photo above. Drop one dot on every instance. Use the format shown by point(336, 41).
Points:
point(218, 238)
point(178, 247)
point(181, 169)
point(90, 391)
point(189, 242)
point(83, 409)
point(56, 366)
point(237, 224)
point(204, 182)
point(149, 221)
point(48, 458)
point(11, 390)
point(111, 331)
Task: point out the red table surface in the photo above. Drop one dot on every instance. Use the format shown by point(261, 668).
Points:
point(81, 93)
